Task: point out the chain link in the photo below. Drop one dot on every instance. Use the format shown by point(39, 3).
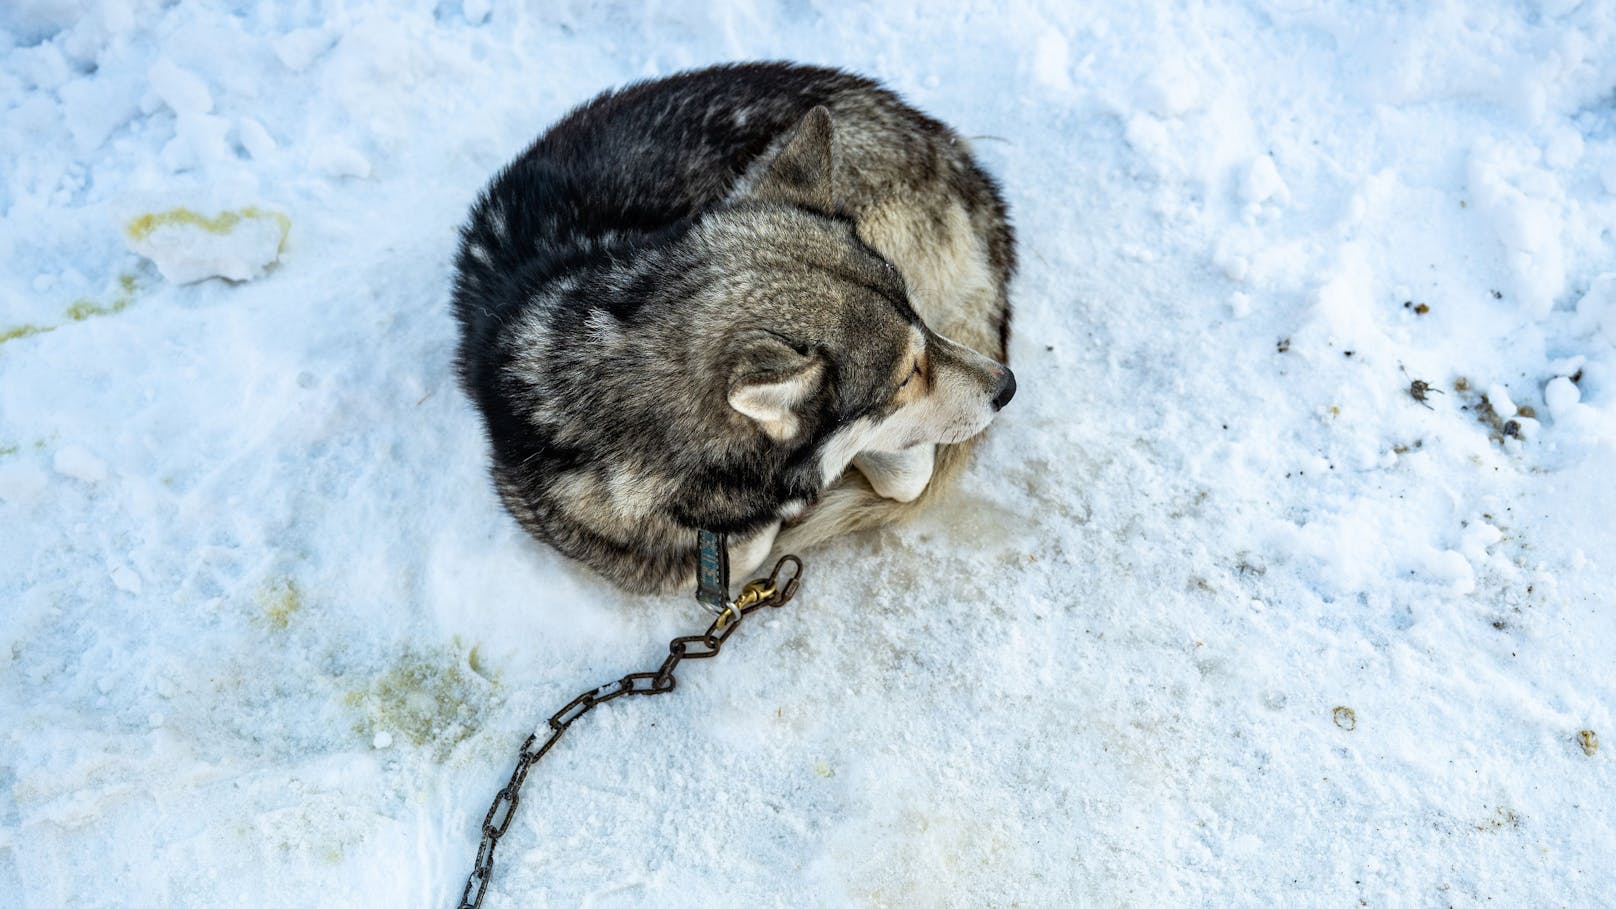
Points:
point(771, 592)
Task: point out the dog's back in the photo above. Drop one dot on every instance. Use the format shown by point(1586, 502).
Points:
point(639, 161)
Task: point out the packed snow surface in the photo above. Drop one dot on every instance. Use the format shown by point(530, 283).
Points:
point(1287, 579)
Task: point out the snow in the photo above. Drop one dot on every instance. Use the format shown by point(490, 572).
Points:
point(299, 48)
point(1562, 396)
point(76, 463)
point(182, 91)
point(1262, 182)
point(255, 139)
point(124, 578)
point(187, 246)
point(268, 639)
point(337, 160)
point(1596, 310)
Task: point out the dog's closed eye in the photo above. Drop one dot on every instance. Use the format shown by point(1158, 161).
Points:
point(912, 373)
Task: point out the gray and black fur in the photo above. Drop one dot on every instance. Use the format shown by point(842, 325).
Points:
point(693, 302)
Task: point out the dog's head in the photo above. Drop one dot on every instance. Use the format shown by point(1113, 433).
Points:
point(822, 349)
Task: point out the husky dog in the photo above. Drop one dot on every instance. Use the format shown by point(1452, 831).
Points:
point(697, 302)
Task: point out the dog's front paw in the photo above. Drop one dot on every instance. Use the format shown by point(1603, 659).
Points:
point(902, 475)
point(746, 556)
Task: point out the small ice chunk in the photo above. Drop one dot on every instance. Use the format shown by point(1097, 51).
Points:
point(255, 139)
point(382, 740)
point(73, 461)
point(1262, 182)
point(476, 11)
point(94, 106)
point(297, 49)
point(182, 90)
point(198, 139)
point(337, 160)
point(188, 247)
point(124, 578)
point(1503, 404)
point(1562, 397)
point(1452, 568)
point(1239, 304)
point(156, 719)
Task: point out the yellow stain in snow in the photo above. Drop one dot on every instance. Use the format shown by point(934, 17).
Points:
point(221, 224)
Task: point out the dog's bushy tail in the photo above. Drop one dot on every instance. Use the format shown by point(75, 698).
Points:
point(852, 504)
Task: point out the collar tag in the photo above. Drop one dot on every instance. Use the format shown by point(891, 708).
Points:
point(712, 571)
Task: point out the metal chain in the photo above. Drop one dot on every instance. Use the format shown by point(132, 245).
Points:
point(770, 592)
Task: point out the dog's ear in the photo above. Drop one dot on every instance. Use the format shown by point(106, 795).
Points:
point(801, 170)
point(770, 380)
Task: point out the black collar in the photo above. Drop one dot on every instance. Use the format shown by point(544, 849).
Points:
point(712, 571)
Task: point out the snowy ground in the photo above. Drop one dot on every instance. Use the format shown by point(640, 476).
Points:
point(1222, 616)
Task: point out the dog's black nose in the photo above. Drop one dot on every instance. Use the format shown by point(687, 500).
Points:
point(1006, 390)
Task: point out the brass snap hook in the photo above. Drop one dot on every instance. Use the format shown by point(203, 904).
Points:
point(752, 594)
